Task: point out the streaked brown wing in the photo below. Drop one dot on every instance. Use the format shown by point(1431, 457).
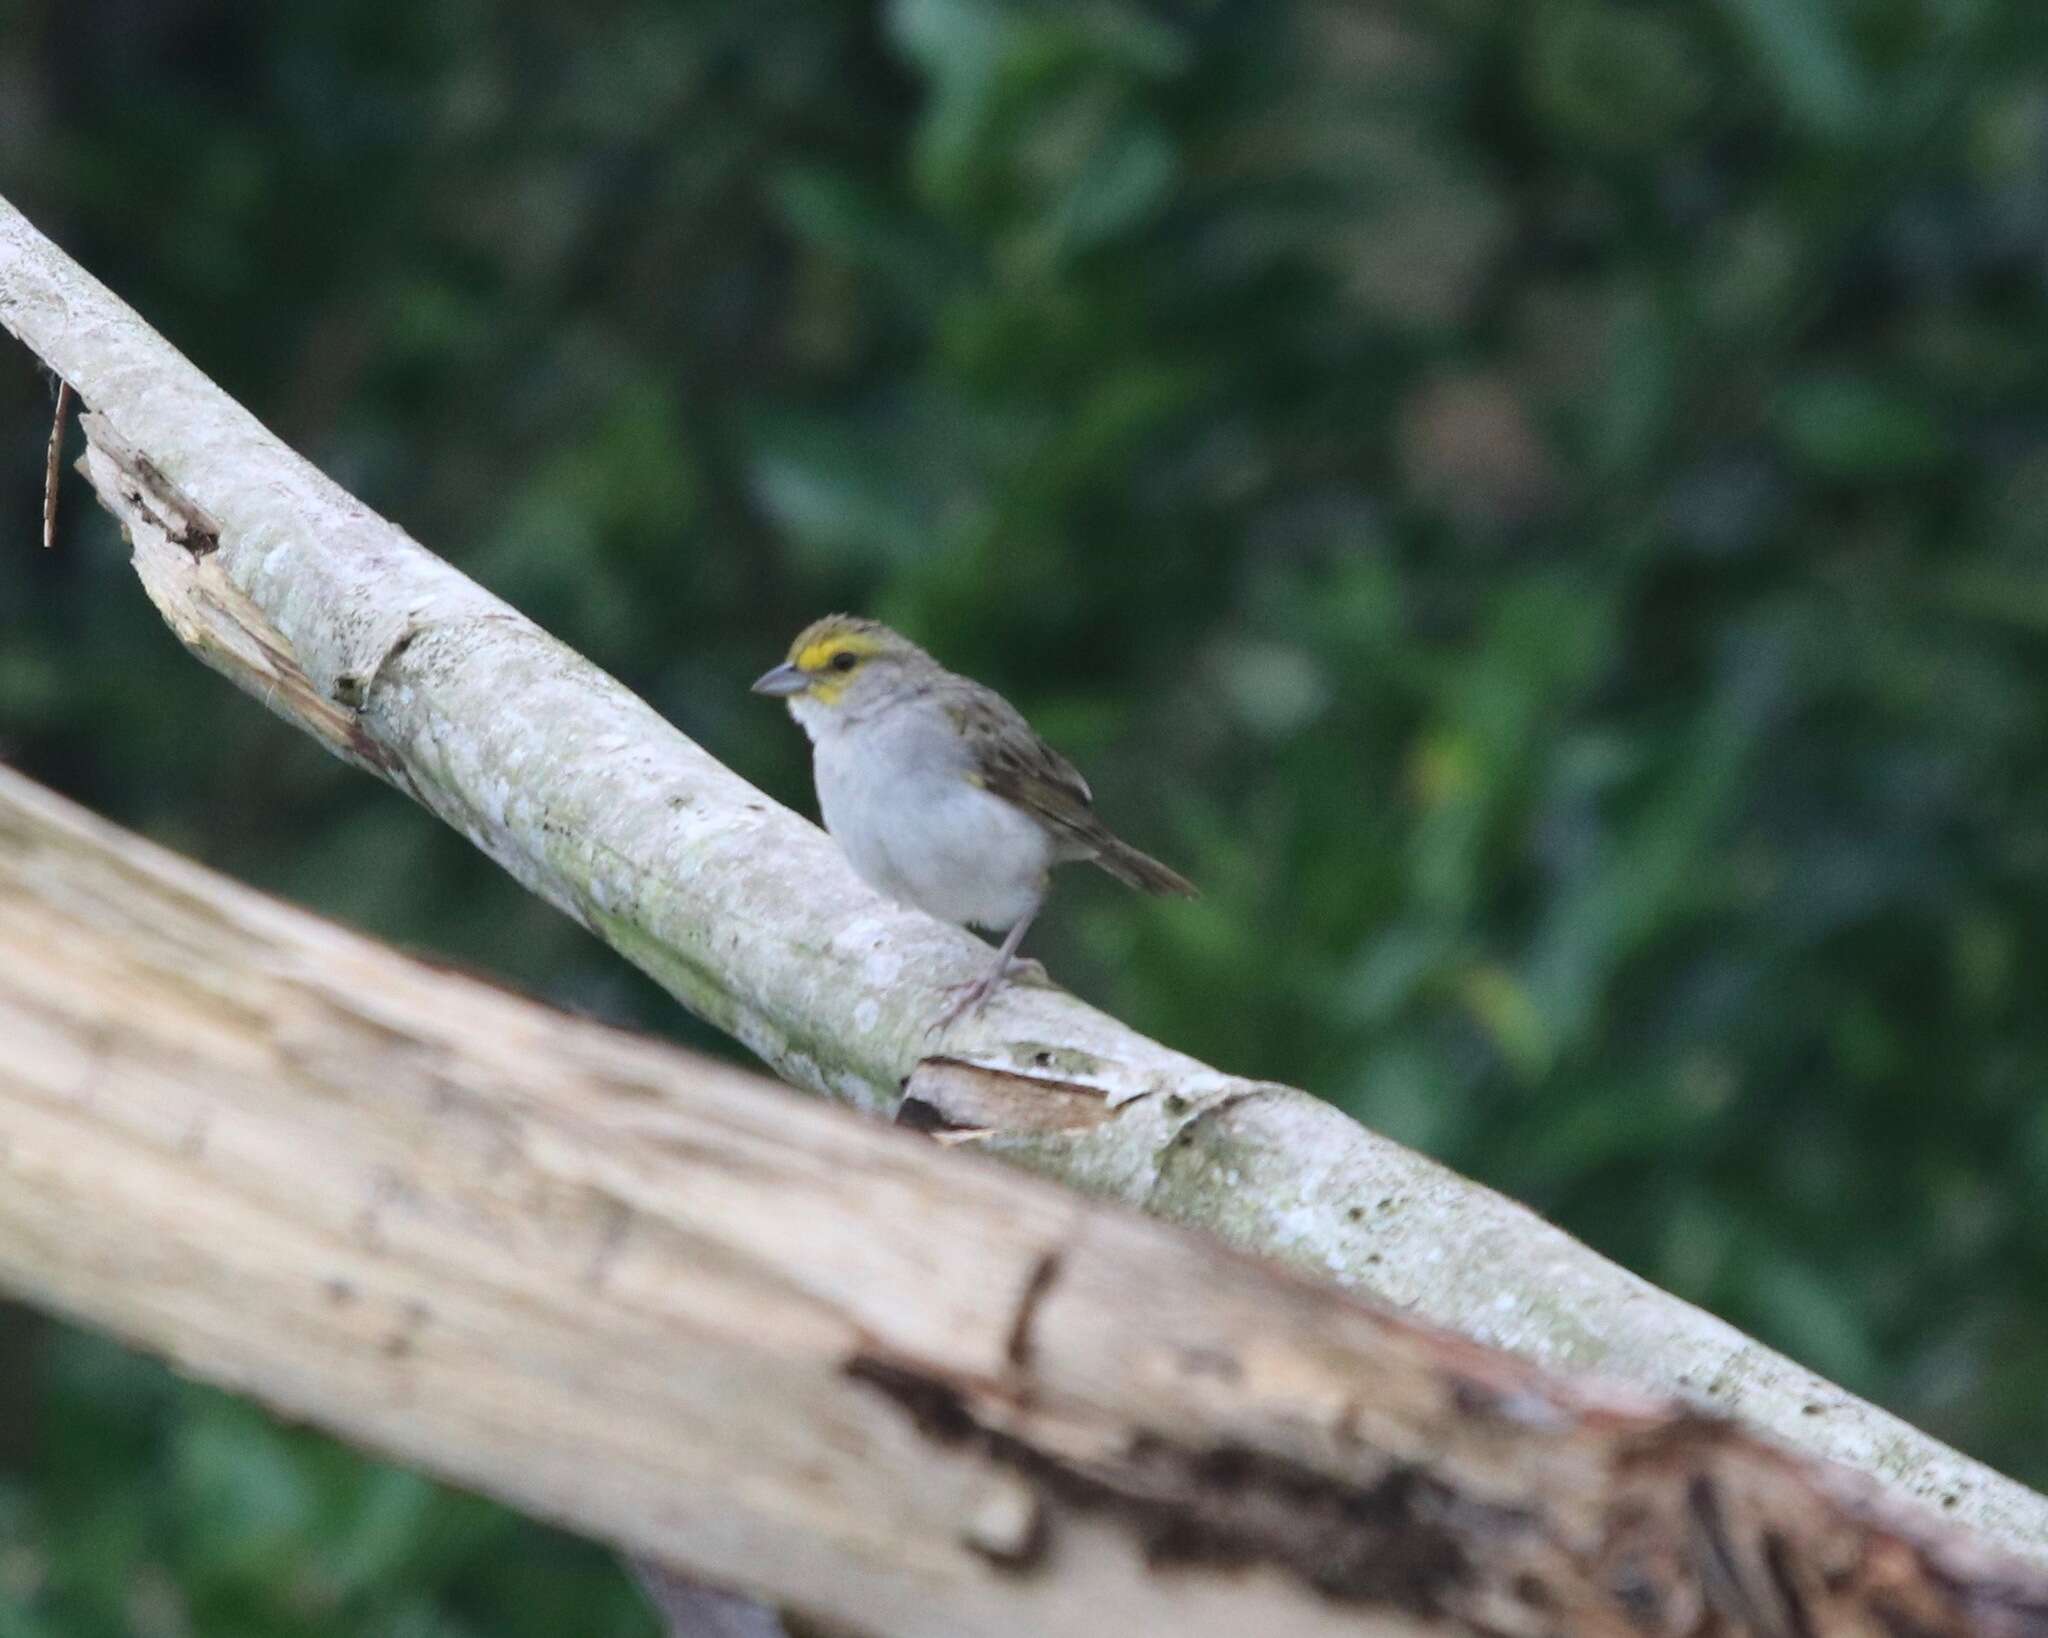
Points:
point(1014, 763)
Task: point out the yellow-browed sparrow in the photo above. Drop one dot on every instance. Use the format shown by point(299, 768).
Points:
point(938, 790)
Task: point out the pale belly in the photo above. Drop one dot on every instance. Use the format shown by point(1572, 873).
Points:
point(933, 840)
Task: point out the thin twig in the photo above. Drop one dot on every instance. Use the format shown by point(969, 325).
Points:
point(64, 396)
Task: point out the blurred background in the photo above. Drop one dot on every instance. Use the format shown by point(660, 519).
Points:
point(1542, 510)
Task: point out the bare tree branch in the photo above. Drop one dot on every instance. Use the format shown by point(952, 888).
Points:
point(792, 1352)
point(341, 622)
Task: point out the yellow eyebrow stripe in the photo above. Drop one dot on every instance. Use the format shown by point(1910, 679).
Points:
point(816, 656)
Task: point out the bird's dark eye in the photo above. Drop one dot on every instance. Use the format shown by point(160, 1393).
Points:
point(845, 660)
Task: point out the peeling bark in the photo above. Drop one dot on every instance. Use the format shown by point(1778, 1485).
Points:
point(805, 1356)
point(342, 623)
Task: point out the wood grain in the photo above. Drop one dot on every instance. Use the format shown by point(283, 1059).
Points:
point(892, 1385)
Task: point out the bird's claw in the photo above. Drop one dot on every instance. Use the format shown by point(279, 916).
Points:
point(967, 998)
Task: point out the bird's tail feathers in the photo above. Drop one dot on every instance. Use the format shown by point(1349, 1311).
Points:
point(1139, 870)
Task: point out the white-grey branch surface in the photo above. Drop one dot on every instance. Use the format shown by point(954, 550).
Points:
point(342, 622)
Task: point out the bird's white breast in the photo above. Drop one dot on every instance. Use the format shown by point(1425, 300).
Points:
point(896, 791)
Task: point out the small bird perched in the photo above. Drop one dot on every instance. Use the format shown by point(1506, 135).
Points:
point(939, 791)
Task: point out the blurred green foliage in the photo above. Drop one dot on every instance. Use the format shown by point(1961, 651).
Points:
point(1541, 509)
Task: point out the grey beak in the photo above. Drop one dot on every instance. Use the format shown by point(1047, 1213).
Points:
point(782, 681)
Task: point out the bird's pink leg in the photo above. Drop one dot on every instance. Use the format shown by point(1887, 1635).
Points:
point(969, 997)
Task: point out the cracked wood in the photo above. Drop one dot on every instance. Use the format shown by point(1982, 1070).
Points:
point(679, 1308)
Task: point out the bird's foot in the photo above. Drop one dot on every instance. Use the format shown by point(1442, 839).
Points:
point(967, 999)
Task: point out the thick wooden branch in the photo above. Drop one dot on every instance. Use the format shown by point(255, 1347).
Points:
point(342, 623)
point(675, 1306)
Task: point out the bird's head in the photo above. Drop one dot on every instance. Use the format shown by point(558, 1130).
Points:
point(840, 666)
